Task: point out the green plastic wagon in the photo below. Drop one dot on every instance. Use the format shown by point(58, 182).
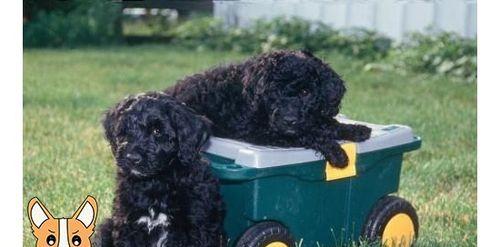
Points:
point(279, 197)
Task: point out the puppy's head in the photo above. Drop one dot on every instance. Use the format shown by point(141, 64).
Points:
point(293, 90)
point(148, 131)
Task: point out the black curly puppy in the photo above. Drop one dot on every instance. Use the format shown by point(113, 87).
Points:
point(166, 195)
point(282, 98)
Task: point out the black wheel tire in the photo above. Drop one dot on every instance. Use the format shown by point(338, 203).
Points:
point(383, 211)
point(264, 233)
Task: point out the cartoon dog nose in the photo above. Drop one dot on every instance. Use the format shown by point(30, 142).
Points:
point(135, 158)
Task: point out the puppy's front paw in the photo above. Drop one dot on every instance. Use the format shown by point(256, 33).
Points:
point(338, 159)
point(361, 133)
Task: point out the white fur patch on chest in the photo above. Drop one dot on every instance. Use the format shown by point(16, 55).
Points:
point(161, 240)
point(154, 220)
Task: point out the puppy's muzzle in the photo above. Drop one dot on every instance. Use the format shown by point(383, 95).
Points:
point(134, 158)
point(289, 120)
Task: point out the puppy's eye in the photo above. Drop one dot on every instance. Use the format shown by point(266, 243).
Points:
point(171, 141)
point(51, 240)
point(156, 132)
point(304, 92)
point(76, 240)
point(155, 128)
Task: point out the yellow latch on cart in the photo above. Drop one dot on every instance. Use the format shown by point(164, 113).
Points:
point(333, 173)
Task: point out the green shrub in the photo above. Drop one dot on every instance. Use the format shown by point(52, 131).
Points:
point(360, 43)
point(280, 33)
point(199, 33)
point(91, 23)
point(445, 54)
point(32, 7)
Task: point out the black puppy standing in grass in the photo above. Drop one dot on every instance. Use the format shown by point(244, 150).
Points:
point(166, 195)
point(282, 98)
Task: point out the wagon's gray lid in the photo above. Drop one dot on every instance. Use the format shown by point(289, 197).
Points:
point(247, 154)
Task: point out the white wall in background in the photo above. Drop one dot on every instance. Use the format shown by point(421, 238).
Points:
point(390, 17)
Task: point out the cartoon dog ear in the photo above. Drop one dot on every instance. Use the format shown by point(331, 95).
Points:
point(37, 213)
point(192, 133)
point(87, 212)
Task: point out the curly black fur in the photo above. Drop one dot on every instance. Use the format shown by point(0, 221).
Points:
point(166, 195)
point(282, 98)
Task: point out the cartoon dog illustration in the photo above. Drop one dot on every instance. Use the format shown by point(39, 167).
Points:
point(63, 232)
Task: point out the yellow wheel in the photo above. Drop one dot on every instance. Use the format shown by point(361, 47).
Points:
point(266, 234)
point(399, 231)
point(276, 244)
point(392, 221)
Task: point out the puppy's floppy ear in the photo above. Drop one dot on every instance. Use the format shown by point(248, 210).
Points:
point(111, 118)
point(108, 123)
point(192, 132)
point(332, 91)
point(256, 80)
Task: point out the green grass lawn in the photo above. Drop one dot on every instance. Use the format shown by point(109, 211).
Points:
point(66, 156)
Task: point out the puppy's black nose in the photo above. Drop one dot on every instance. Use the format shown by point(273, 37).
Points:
point(134, 158)
point(290, 120)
